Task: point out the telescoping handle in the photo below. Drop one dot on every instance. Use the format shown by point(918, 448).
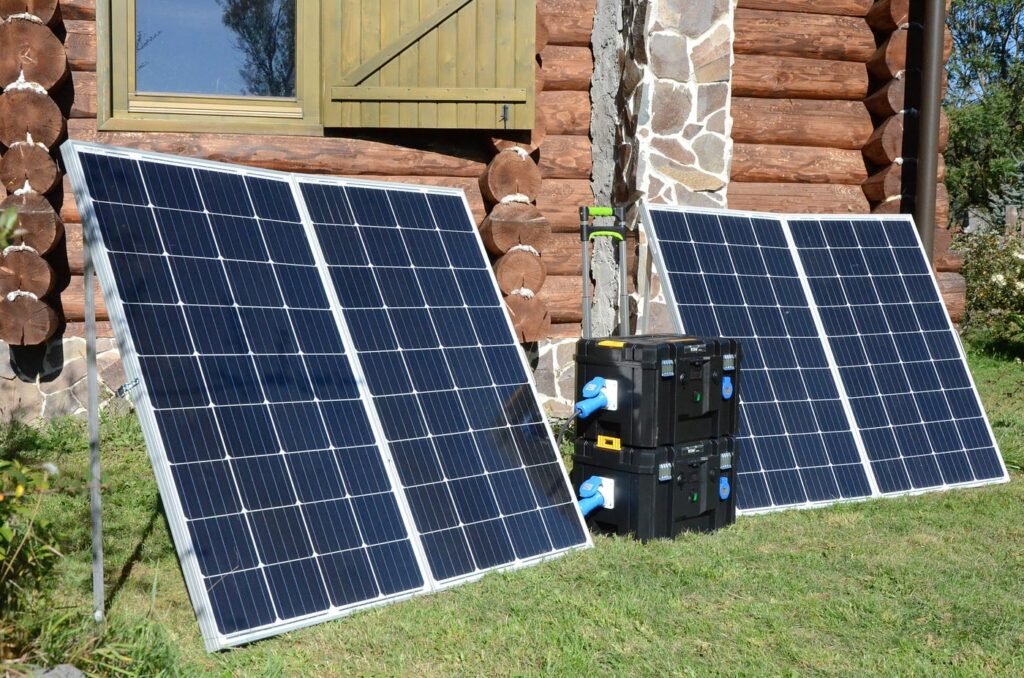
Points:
point(588, 231)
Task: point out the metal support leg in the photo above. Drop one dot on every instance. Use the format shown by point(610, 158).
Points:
point(624, 324)
point(587, 299)
point(93, 405)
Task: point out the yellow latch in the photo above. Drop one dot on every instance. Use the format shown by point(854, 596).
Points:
point(608, 343)
point(609, 443)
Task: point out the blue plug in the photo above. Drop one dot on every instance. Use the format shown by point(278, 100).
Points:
point(727, 388)
point(590, 495)
point(594, 398)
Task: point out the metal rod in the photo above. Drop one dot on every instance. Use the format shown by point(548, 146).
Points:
point(620, 220)
point(92, 384)
point(932, 64)
point(584, 220)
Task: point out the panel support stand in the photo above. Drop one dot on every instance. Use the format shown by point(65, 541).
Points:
point(92, 384)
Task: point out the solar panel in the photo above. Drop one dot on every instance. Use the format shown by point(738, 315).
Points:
point(311, 455)
point(898, 356)
point(734, 276)
point(855, 382)
point(471, 446)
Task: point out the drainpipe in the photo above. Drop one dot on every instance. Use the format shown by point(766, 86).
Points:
point(932, 65)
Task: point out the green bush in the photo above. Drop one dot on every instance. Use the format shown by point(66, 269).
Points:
point(994, 271)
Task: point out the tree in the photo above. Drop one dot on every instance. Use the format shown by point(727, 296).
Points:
point(985, 103)
point(265, 35)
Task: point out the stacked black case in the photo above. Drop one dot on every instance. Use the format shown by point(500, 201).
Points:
point(669, 444)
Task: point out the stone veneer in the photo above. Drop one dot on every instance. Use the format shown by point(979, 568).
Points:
point(672, 136)
point(53, 384)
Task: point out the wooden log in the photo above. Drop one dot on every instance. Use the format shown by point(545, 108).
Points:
point(528, 141)
point(886, 143)
point(25, 321)
point(511, 172)
point(543, 36)
point(812, 36)
point(560, 202)
point(47, 11)
point(888, 182)
point(890, 99)
point(953, 288)
point(104, 330)
point(512, 224)
point(797, 164)
point(886, 16)
point(74, 243)
point(892, 205)
point(28, 166)
point(563, 254)
point(329, 155)
point(520, 269)
point(564, 298)
point(857, 8)
point(32, 48)
point(530, 317)
point(31, 164)
point(81, 10)
point(567, 68)
point(944, 257)
point(569, 22)
point(795, 78)
point(899, 94)
point(941, 206)
point(798, 198)
point(80, 44)
point(795, 122)
point(72, 300)
point(565, 112)
point(27, 113)
point(26, 271)
point(565, 331)
point(83, 103)
point(890, 58)
point(566, 157)
point(38, 225)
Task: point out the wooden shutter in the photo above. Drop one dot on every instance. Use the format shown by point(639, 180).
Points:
point(457, 64)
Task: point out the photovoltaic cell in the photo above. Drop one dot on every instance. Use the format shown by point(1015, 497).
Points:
point(897, 353)
point(310, 466)
point(854, 381)
point(734, 276)
point(473, 453)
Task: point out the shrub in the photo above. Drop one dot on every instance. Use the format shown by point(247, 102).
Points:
point(994, 271)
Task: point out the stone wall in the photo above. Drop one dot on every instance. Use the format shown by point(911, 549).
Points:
point(670, 62)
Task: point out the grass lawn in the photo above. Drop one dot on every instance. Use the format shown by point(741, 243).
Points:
point(925, 585)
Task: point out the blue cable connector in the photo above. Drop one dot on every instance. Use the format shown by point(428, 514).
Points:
point(590, 495)
point(594, 398)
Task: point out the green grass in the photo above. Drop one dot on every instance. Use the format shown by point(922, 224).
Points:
point(925, 585)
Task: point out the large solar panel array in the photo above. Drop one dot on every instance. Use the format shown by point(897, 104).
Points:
point(334, 404)
point(855, 383)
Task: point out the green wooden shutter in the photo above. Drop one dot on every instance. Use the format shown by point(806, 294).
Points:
point(455, 64)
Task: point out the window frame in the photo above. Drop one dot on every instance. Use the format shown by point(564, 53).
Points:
point(120, 108)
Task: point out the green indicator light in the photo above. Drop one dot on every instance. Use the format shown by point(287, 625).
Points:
point(697, 396)
point(695, 498)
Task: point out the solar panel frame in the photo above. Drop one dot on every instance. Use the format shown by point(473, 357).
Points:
point(98, 255)
point(657, 256)
point(434, 583)
point(961, 352)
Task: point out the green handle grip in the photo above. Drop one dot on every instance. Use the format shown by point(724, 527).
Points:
point(601, 211)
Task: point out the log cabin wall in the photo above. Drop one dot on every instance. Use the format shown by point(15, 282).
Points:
point(824, 107)
point(559, 150)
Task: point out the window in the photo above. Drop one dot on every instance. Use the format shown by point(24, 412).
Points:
point(298, 66)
